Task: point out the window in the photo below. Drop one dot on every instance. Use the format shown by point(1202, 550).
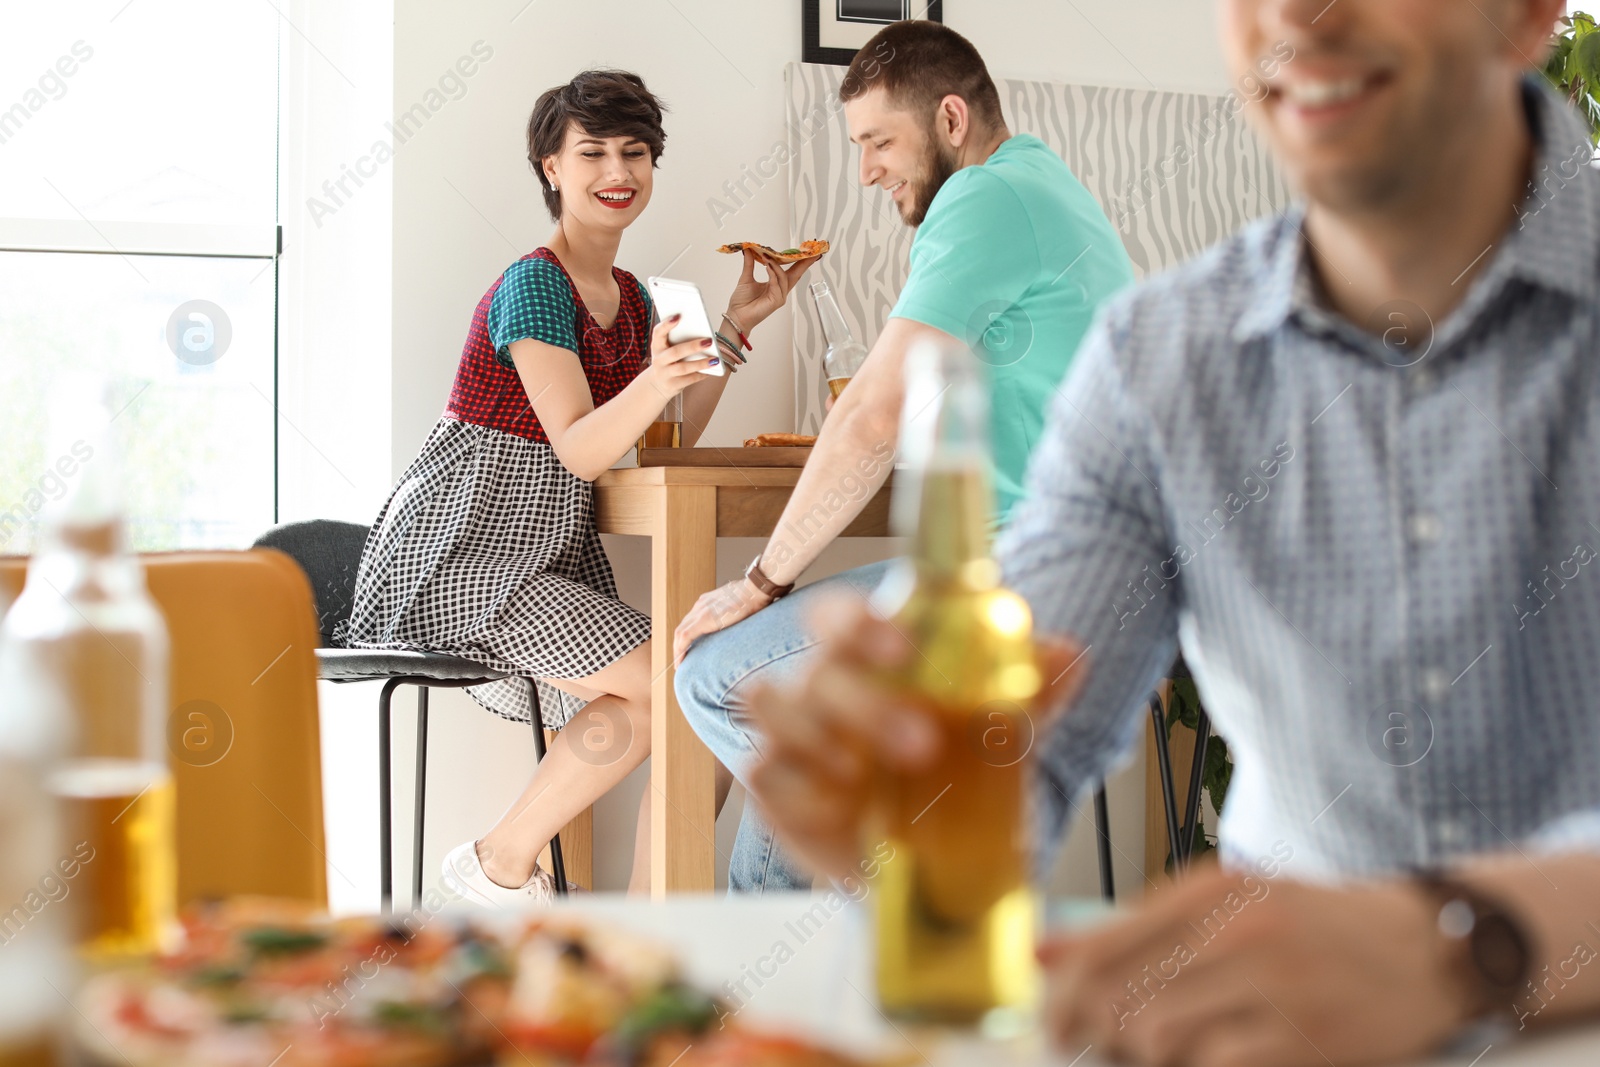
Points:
point(138, 242)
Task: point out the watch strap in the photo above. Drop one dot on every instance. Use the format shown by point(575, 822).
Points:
point(758, 578)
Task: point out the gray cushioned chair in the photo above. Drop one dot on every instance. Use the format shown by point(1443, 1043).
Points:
point(330, 552)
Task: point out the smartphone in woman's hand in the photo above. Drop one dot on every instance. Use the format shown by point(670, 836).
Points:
point(673, 297)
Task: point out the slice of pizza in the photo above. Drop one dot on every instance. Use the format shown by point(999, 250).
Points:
point(268, 982)
point(806, 250)
point(780, 440)
point(576, 985)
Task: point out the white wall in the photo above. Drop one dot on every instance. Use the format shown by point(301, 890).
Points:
point(1146, 44)
point(466, 205)
point(334, 356)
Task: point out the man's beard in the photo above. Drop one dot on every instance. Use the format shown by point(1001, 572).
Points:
point(939, 165)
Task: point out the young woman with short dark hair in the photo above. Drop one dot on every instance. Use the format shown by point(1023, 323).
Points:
point(487, 548)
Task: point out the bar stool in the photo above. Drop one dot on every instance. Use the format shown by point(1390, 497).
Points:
point(1180, 835)
point(330, 553)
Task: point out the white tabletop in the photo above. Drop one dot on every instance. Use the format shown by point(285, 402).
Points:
point(789, 961)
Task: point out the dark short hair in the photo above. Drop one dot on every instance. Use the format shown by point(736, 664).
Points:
point(918, 63)
point(604, 103)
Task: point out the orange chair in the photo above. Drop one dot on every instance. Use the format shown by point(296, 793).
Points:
point(243, 737)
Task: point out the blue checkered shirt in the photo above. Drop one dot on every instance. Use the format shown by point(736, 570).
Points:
point(1379, 549)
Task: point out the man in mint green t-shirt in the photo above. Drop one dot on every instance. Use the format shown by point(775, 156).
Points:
point(1012, 257)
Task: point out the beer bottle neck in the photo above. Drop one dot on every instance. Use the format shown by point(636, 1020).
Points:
point(944, 443)
point(834, 330)
point(951, 539)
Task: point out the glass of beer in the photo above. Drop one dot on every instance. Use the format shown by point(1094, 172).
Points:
point(665, 432)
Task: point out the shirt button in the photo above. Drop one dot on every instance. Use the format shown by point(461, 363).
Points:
point(1424, 527)
point(1435, 686)
point(1422, 379)
point(1452, 835)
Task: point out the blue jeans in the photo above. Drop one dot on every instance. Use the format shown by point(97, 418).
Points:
point(772, 647)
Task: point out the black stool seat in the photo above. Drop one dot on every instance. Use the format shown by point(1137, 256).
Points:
point(370, 664)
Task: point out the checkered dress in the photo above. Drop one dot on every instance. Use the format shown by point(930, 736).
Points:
point(487, 547)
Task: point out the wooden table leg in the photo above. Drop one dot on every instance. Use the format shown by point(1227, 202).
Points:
point(683, 565)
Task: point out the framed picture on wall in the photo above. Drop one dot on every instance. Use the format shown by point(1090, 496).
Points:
point(833, 31)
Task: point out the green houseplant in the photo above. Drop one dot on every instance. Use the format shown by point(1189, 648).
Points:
point(1574, 66)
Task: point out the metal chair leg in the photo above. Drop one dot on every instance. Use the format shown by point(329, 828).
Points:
point(1191, 812)
point(1102, 826)
point(558, 866)
point(1168, 788)
point(385, 813)
point(421, 796)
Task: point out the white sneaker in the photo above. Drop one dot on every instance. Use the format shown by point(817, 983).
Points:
point(464, 876)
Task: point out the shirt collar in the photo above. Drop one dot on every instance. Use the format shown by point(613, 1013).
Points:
point(1554, 241)
point(1552, 244)
point(1285, 281)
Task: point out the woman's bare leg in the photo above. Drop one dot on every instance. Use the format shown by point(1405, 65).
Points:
point(590, 755)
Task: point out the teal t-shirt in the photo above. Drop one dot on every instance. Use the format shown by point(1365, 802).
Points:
point(1014, 258)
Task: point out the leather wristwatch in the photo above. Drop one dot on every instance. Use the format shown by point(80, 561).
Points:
point(758, 578)
point(1486, 948)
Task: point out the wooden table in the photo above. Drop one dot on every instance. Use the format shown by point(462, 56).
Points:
point(683, 510)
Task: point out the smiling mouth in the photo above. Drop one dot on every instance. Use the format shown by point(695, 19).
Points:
point(1326, 95)
point(616, 198)
point(894, 190)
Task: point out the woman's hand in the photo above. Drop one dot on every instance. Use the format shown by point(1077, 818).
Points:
point(753, 301)
point(675, 367)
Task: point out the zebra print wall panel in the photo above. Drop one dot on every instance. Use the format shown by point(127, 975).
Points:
point(1175, 172)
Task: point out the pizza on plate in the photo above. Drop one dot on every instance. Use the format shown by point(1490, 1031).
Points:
point(261, 983)
point(257, 982)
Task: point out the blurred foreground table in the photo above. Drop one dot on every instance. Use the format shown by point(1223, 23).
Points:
point(683, 510)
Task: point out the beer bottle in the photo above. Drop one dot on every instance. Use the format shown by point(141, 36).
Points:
point(845, 354)
point(955, 913)
point(85, 652)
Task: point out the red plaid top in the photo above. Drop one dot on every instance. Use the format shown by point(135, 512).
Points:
point(535, 298)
